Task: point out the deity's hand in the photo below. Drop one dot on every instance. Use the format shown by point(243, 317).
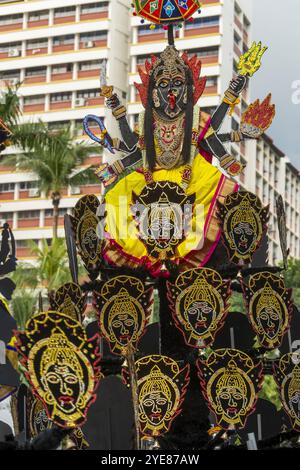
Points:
point(238, 84)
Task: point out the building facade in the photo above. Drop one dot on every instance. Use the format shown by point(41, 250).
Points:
point(56, 53)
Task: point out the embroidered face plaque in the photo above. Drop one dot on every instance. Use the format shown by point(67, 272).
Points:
point(243, 221)
point(70, 300)
point(124, 308)
point(161, 389)
point(269, 308)
point(287, 376)
point(230, 382)
point(162, 212)
point(86, 223)
point(199, 303)
point(61, 365)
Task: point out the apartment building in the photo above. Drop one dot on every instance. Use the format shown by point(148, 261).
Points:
point(56, 51)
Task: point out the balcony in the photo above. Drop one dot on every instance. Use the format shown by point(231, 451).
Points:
point(34, 108)
point(88, 73)
point(202, 31)
point(29, 223)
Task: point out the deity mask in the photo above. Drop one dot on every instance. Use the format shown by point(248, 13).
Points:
point(61, 365)
point(269, 308)
point(243, 221)
point(124, 308)
point(86, 223)
point(170, 83)
point(287, 376)
point(199, 303)
point(70, 300)
point(161, 389)
point(230, 382)
point(162, 212)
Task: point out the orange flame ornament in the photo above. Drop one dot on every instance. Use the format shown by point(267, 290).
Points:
point(258, 118)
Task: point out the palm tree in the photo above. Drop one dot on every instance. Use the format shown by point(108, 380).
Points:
point(50, 269)
point(54, 156)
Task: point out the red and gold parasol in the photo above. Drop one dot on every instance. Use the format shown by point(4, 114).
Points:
point(166, 11)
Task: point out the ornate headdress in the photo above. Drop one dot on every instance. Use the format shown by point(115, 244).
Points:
point(196, 286)
point(168, 63)
point(230, 368)
point(266, 290)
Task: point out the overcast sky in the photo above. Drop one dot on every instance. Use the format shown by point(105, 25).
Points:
point(277, 24)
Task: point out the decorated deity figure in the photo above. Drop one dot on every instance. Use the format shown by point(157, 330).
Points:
point(269, 308)
point(161, 388)
point(287, 375)
point(61, 365)
point(230, 382)
point(124, 307)
point(199, 302)
point(173, 150)
point(243, 221)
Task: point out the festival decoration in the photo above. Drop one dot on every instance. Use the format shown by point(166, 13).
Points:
point(70, 300)
point(250, 62)
point(282, 228)
point(86, 222)
point(243, 220)
point(199, 302)
point(61, 366)
point(166, 11)
point(230, 381)
point(257, 118)
point(269, 308)
point(124, 308)
point(287, 375)
point(9, 377)
point(161, 387)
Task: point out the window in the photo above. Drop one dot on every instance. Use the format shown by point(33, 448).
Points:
point(57, 125)
point(203, 22)
point(62, 68)
point(38, 15)
point(35, 72)
point(11, 19)
point(6, 215)
point(88, 93)
point(207, 52)
point(237, 39)
point(24, 243)
point(93, 36)
point(28, 215)
point(60, 97)
point(49, 212)
point(7, 187)
point(94, 8)
point(37, 99)
point(5, 48)
point(141, 59)
point(62, 40)
point(65, 11)
point(37, 44)
point(91, 65)
point(10, 75)
point(212, 81)
point(25, 185)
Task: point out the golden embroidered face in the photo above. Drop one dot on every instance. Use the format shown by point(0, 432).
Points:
point(287, 376)
point(61, 374)
point(199, 304)
point(161, 386)
point(269, 305)
point(123, 306)
point(230, 381)
point(61, 365)
point(243, 221)
point(164, 211)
